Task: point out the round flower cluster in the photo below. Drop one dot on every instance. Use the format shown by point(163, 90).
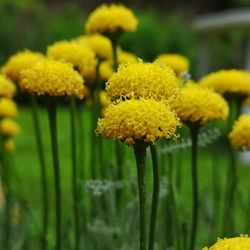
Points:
point(9, 127)
point(109, 19)
point(231, 81)
point(142, 80)
point(141, 119)
point(101, 45)
point(241, 243)
point(7, 87)
point(240, 135)
point(8, 108)
point(52, 78)
point(177, 62)
point(21, 61)
point(82, 58)
point(199, 105)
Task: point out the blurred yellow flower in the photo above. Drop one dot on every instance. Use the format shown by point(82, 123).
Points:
point(100, 44)
point(52, 78)
point(8, 108)
point(199, 105)
point(7, 87)
point(21, 61)
point(231, 81)
point(104, 99)
point(240, 135)
point(146, 80)
point(9, 145)
point(141, 119)
point(110, 19)
point(105, 70)
point(125, 57)
point(82, 58)
point(237, 243)
point(177, 62)
point(9, 127)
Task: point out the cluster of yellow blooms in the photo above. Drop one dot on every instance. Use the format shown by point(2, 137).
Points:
point(240, 135)
point(110, 19)
point(8, 110)
point(199, 105)
point(237, 243)
point(178, 63)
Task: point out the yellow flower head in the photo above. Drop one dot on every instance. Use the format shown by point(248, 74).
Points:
point(177, 62)
point(200, 105)
point(9, 127)
point(7, 87)
point(240, 135)
point(9, 145)
point(82, 58)
point(237, 243)
point(52, 78)
point(105, 70)
point(146, 80)
point(8, 108)
point(110, 19)
point(103, 99)
point(141, 119)
point(231, 81)
point(126, 57)
point(20, 61)
point(100, 44)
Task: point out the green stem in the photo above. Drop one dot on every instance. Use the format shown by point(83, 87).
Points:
point(140, 156)
point(194, 131)
point(44, 185)
point(74, 172)
point(155, 198)
point(54, 143)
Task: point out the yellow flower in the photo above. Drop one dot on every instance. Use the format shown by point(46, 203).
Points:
point(200, 105)
point(20, 61)
point(141, 119)
point(82, 58)
point(7, 107)
point(103, 99)
point(240, 135)
point(9, 145)
point(177, 62)
point(9, 127)
point(228, 81)
point(146, 80)
point(126, 57)
point(105, 70)
point(100, 44)
point(52, 78)
point(7, 87)
point(237, 243)
point(110, 19)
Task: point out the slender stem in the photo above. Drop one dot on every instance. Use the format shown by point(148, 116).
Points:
point(194, 131)
point(140, 156)
point(44, 185)
point(115, 56)
point(155, 198)
point(74, 172)
point(54, 143)
point(7, 193)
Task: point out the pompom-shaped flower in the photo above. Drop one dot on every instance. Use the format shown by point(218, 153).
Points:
point(237, 243)
point(240, 135)
point(7, 87)
point(177, 62)
point(82, 58)
point(110, 19)
point(126, 57)
point(8, 108)
point(146, 80)
point(141, 119)
point(101, 45)
point(52, 78)
point(20, 61)
point(231, 81)
point(9, 127)
point(200, 105)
